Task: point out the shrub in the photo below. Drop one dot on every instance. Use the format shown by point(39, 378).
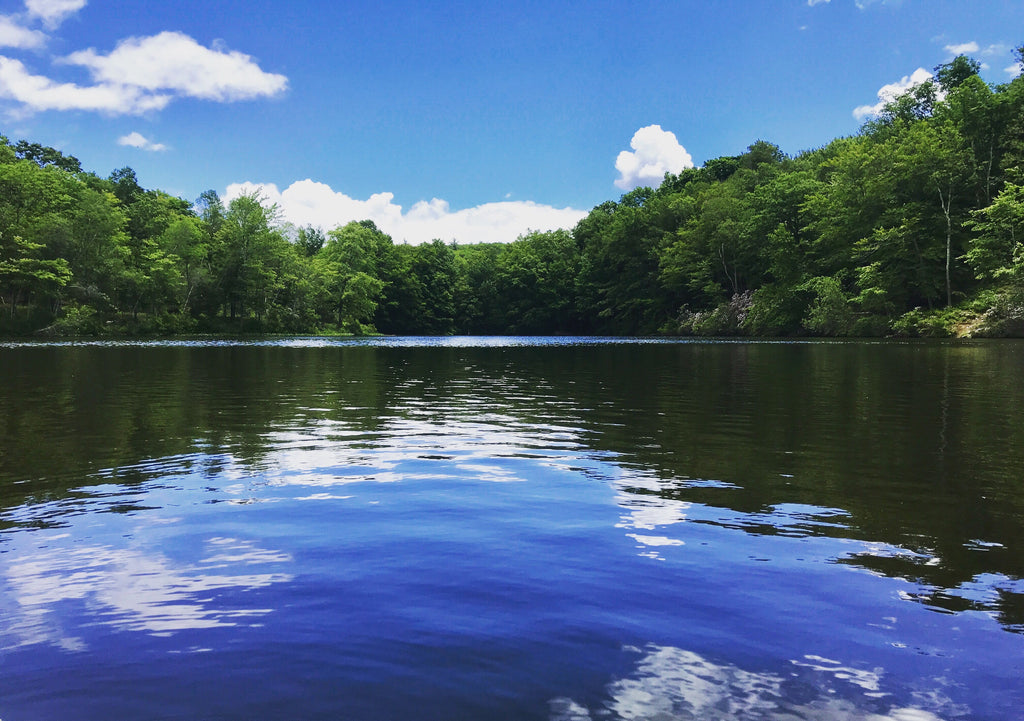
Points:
point(829, 312)
point(76, 320)
point(727, 319)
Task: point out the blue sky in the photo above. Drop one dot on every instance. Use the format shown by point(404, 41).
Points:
point(460, 120)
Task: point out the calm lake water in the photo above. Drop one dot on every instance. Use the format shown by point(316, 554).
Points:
point(510, 528)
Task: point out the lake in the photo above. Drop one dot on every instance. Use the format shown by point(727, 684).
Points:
point(566, 529)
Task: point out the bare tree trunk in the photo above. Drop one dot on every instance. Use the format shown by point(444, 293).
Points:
point(988, 172)
point(947, 200)
point(732, 279)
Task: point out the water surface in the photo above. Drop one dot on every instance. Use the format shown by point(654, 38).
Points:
point(511, 528)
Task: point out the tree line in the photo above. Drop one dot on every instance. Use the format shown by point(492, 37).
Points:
point(913, 226)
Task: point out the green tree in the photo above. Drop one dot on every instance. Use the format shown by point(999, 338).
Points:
point(955, 73)
point(250, 256)
point(402, 303)
point(435, 269)
point(480, 305)
point(44, 156)
point(310, 240)
point(26, 276)
point(211, 211)
point(536, 277)
point(185, 243)
point(352, 258)
point(125, 185)
point(996, 252)
point(620, 287)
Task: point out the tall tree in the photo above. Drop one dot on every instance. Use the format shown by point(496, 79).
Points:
point(353, 255)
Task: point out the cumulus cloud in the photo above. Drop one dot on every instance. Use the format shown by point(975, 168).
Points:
point(655, 152)
point(1015, 69)
point(174, 62)
point(137, 140)
point(307, 202)
point(37, 93)
point(889, 93)
point(142, 75)
point(962, 48)
point(13, 35)
point(53, 12)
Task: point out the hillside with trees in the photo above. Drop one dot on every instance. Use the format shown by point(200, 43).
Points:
point(914, 226)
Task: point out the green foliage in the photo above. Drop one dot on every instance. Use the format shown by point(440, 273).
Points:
point(955, 73)
point(479, 293)
point(776, 310)
point(310, 240)
point(997, 249)
point(939, 323)
point(44, 156)
point(913, 226)
point(1005, 318)
point(24, 275)
point(536, 278)
point(435, 270)
point(829, 312)
point(77, 320)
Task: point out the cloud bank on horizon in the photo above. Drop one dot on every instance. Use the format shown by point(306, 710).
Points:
point(308, 202)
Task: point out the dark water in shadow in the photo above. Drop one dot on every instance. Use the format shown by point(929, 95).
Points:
point(554, 529)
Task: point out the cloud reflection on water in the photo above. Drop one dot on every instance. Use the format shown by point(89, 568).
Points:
point(672, 684)
point(130, 590)
point(326, 455)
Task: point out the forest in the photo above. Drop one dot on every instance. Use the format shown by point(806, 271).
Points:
point(912, 227)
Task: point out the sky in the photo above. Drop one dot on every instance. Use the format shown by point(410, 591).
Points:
point(468, 121)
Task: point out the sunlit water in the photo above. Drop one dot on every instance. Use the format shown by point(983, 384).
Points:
point(563, 529)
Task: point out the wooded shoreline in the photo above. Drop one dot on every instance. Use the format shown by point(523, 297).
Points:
point(912, 227)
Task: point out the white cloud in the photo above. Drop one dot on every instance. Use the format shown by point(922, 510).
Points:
point(962, 48)
point(889, 93)
point(142, 75)
point(656, 152)
point(38, 93)
point(173, 61)
point(307, 202)
point(53, 12)
point(812, 3)
point(1014, 70)
point(996, 49)
point(137, 140)
point(13, 35)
